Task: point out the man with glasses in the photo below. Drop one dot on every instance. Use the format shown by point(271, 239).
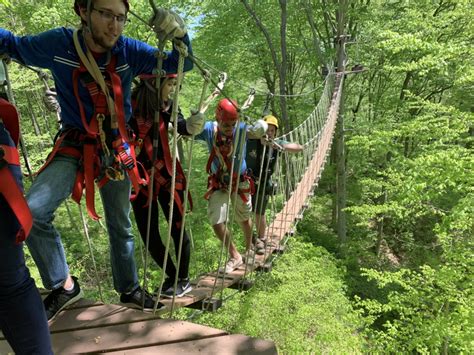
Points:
point(226, 140)
point(93, 68)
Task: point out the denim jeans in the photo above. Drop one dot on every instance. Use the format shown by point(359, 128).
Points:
point(22, 317)
point(52, 186)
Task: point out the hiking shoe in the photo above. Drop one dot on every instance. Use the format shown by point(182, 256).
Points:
point(182, 288)
point(168, 283)
point(260, 246)
point(59, 299)
point(134, 300)
point(250, 257)
point(231, 265)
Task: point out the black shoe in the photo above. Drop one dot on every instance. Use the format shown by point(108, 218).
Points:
point(134, 300)
point(59, 299)
point(182, 288)
point(168, 283)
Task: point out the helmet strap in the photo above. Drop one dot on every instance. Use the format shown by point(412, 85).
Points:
point(89, 14)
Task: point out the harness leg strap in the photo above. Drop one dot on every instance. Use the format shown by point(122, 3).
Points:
point(89, 153)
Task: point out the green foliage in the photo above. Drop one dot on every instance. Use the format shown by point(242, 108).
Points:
point(410, 157)
point(229, 40)
point(430, 311)
point(301, 306)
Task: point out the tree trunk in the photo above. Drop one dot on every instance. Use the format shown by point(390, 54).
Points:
point(283, 66)
point(34, 121)
point(340, 149)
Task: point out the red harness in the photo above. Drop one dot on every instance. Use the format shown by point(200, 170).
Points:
point(163, 165)
point(94, 145)
point(8, 184)
point(222, 149)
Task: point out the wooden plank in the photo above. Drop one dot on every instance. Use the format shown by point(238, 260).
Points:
point(80, 305)
point(114, 337)
point(97, 315)
point(151, 332)
point(223, 345)
point(115, 328)
point(204, 285)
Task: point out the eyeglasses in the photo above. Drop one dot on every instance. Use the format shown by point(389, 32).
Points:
point(110, 17)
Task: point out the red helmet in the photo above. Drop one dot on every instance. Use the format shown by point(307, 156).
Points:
point(9, 116)
point(83, 3)
point(227, 110)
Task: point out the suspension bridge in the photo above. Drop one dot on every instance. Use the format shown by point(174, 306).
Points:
point(91, 327)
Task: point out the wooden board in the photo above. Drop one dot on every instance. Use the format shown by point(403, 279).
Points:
point(112, 328)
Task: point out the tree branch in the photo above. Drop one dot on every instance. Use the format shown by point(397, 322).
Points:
point(262, 28)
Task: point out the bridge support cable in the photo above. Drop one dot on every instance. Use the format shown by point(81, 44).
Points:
point(324, 118)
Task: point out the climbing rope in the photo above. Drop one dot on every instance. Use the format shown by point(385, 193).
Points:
point(174, 115)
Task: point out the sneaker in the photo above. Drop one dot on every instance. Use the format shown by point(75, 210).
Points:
point(231, 265)
point(250, 256)
point(59, 299)
point(134, 300)
point(260, 246)
point(182, 288)
point(167, 284)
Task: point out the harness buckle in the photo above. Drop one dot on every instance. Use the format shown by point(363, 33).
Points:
point(114, 174)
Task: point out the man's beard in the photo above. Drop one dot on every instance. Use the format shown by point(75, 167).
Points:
point(97, 40)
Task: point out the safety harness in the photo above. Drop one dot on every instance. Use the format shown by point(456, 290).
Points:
point(163, 167)
point(222, 149)
point(8, 185)
point(255, 152)
point(105, 131)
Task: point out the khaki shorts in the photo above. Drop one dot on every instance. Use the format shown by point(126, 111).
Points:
point(217, 205)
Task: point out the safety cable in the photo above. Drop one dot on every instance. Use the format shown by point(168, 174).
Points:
point(186, 191)
point(156, 126)
point(174, 119)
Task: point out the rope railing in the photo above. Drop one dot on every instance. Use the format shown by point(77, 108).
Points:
point(321, 123)
point(295, 176)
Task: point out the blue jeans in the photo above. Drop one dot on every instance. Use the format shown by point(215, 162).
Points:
point(22, 317)
point(52, 186)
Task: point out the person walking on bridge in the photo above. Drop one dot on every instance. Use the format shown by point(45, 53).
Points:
point(262, 155)
point(146, 105)
point(226, 140)
point(93, 68)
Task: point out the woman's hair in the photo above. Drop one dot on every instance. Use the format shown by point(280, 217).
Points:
point(146, 98)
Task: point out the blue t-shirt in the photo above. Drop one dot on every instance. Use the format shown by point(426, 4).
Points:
point(207, 135)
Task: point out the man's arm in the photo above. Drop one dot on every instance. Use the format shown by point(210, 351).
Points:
point(292, 147)
point(206, 133)
point(142, 57)
point(31, 50)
